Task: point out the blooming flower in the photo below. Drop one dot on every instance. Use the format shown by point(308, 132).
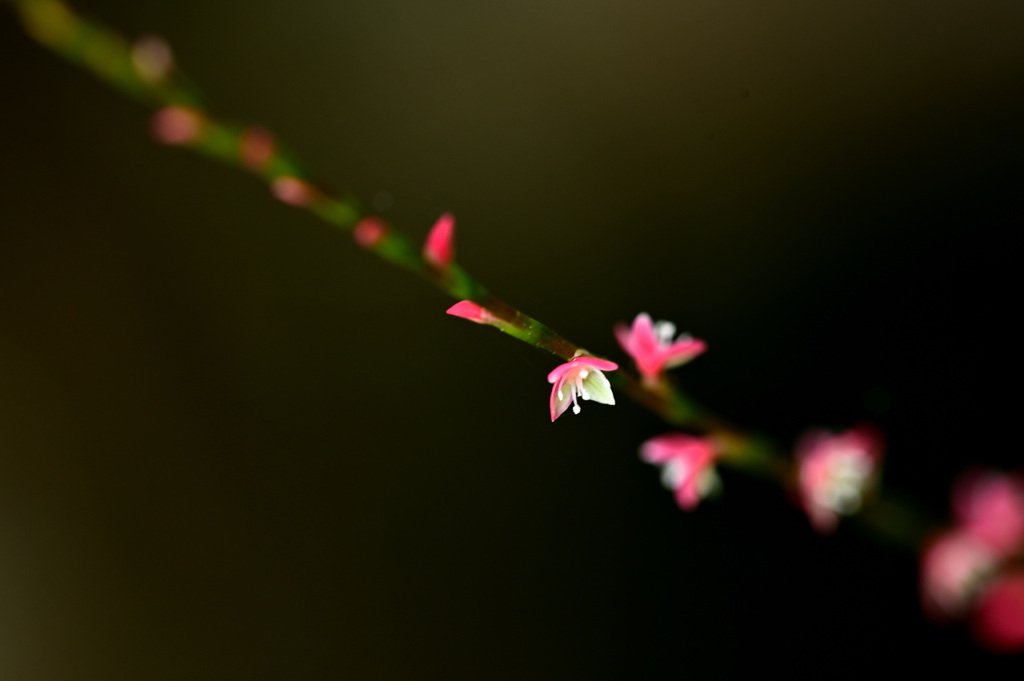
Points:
point(652, 348)
point(990, 506)
point(835, 472)
point(439, 247)
point(579, 376)
point(687, 465)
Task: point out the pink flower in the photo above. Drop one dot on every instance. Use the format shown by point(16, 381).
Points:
point(990, 506)
point(652, 348)
point(998, 621)
point(687, 465)
point(439, 247)
point(835, 472)
point(579, 376)
point(954, 565)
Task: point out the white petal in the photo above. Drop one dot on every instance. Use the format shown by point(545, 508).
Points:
point(598, 388)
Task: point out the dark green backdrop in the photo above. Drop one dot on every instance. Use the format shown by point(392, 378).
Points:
point(233, 446)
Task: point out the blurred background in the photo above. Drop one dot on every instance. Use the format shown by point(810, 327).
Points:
point(233, 445)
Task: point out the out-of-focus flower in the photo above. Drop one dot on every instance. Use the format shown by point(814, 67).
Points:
point(152, 58)
point(439, 247)
point(835, 473)
point(954, 565)
point(652, 348)
point(292, 190)
point(369, 231)
point(580, 376)
point(687, 465)
point(998, 621)
point(177, 125)
point(990, 505)
point(256, 147)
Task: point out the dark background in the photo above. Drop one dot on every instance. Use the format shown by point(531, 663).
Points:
point(233, 445)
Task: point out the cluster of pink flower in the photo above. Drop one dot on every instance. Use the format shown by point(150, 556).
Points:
point(973, 569)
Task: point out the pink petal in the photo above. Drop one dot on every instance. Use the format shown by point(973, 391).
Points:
point(596, 363)
point(683, 351)
point(439, 247)
point(558, 404)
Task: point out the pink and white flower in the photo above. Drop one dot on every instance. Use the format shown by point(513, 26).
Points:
point(835, 473)
point(687, 465)
point(580, 376)
point(651, 346)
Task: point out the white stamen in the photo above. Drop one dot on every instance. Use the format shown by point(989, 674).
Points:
point(664, 331)
point(575, 409)
point(584, 373)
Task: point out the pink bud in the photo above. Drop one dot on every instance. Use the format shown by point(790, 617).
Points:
point(467, 309)
point(255, 147)
point(369, 231)
point(177, 125)
point(292, 191)
point(439, 248)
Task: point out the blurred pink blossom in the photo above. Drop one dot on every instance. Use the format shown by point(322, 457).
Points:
point(998, 621)
point(652, 348)
point(439, 247)
point(954, 565)
point(580, 376)
point(256, 147)
point(687, 465)
point(292, 190)
point(152, 58)
point(177, 125)
point(990, 505)
point(835, 472)
point(369, 231)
